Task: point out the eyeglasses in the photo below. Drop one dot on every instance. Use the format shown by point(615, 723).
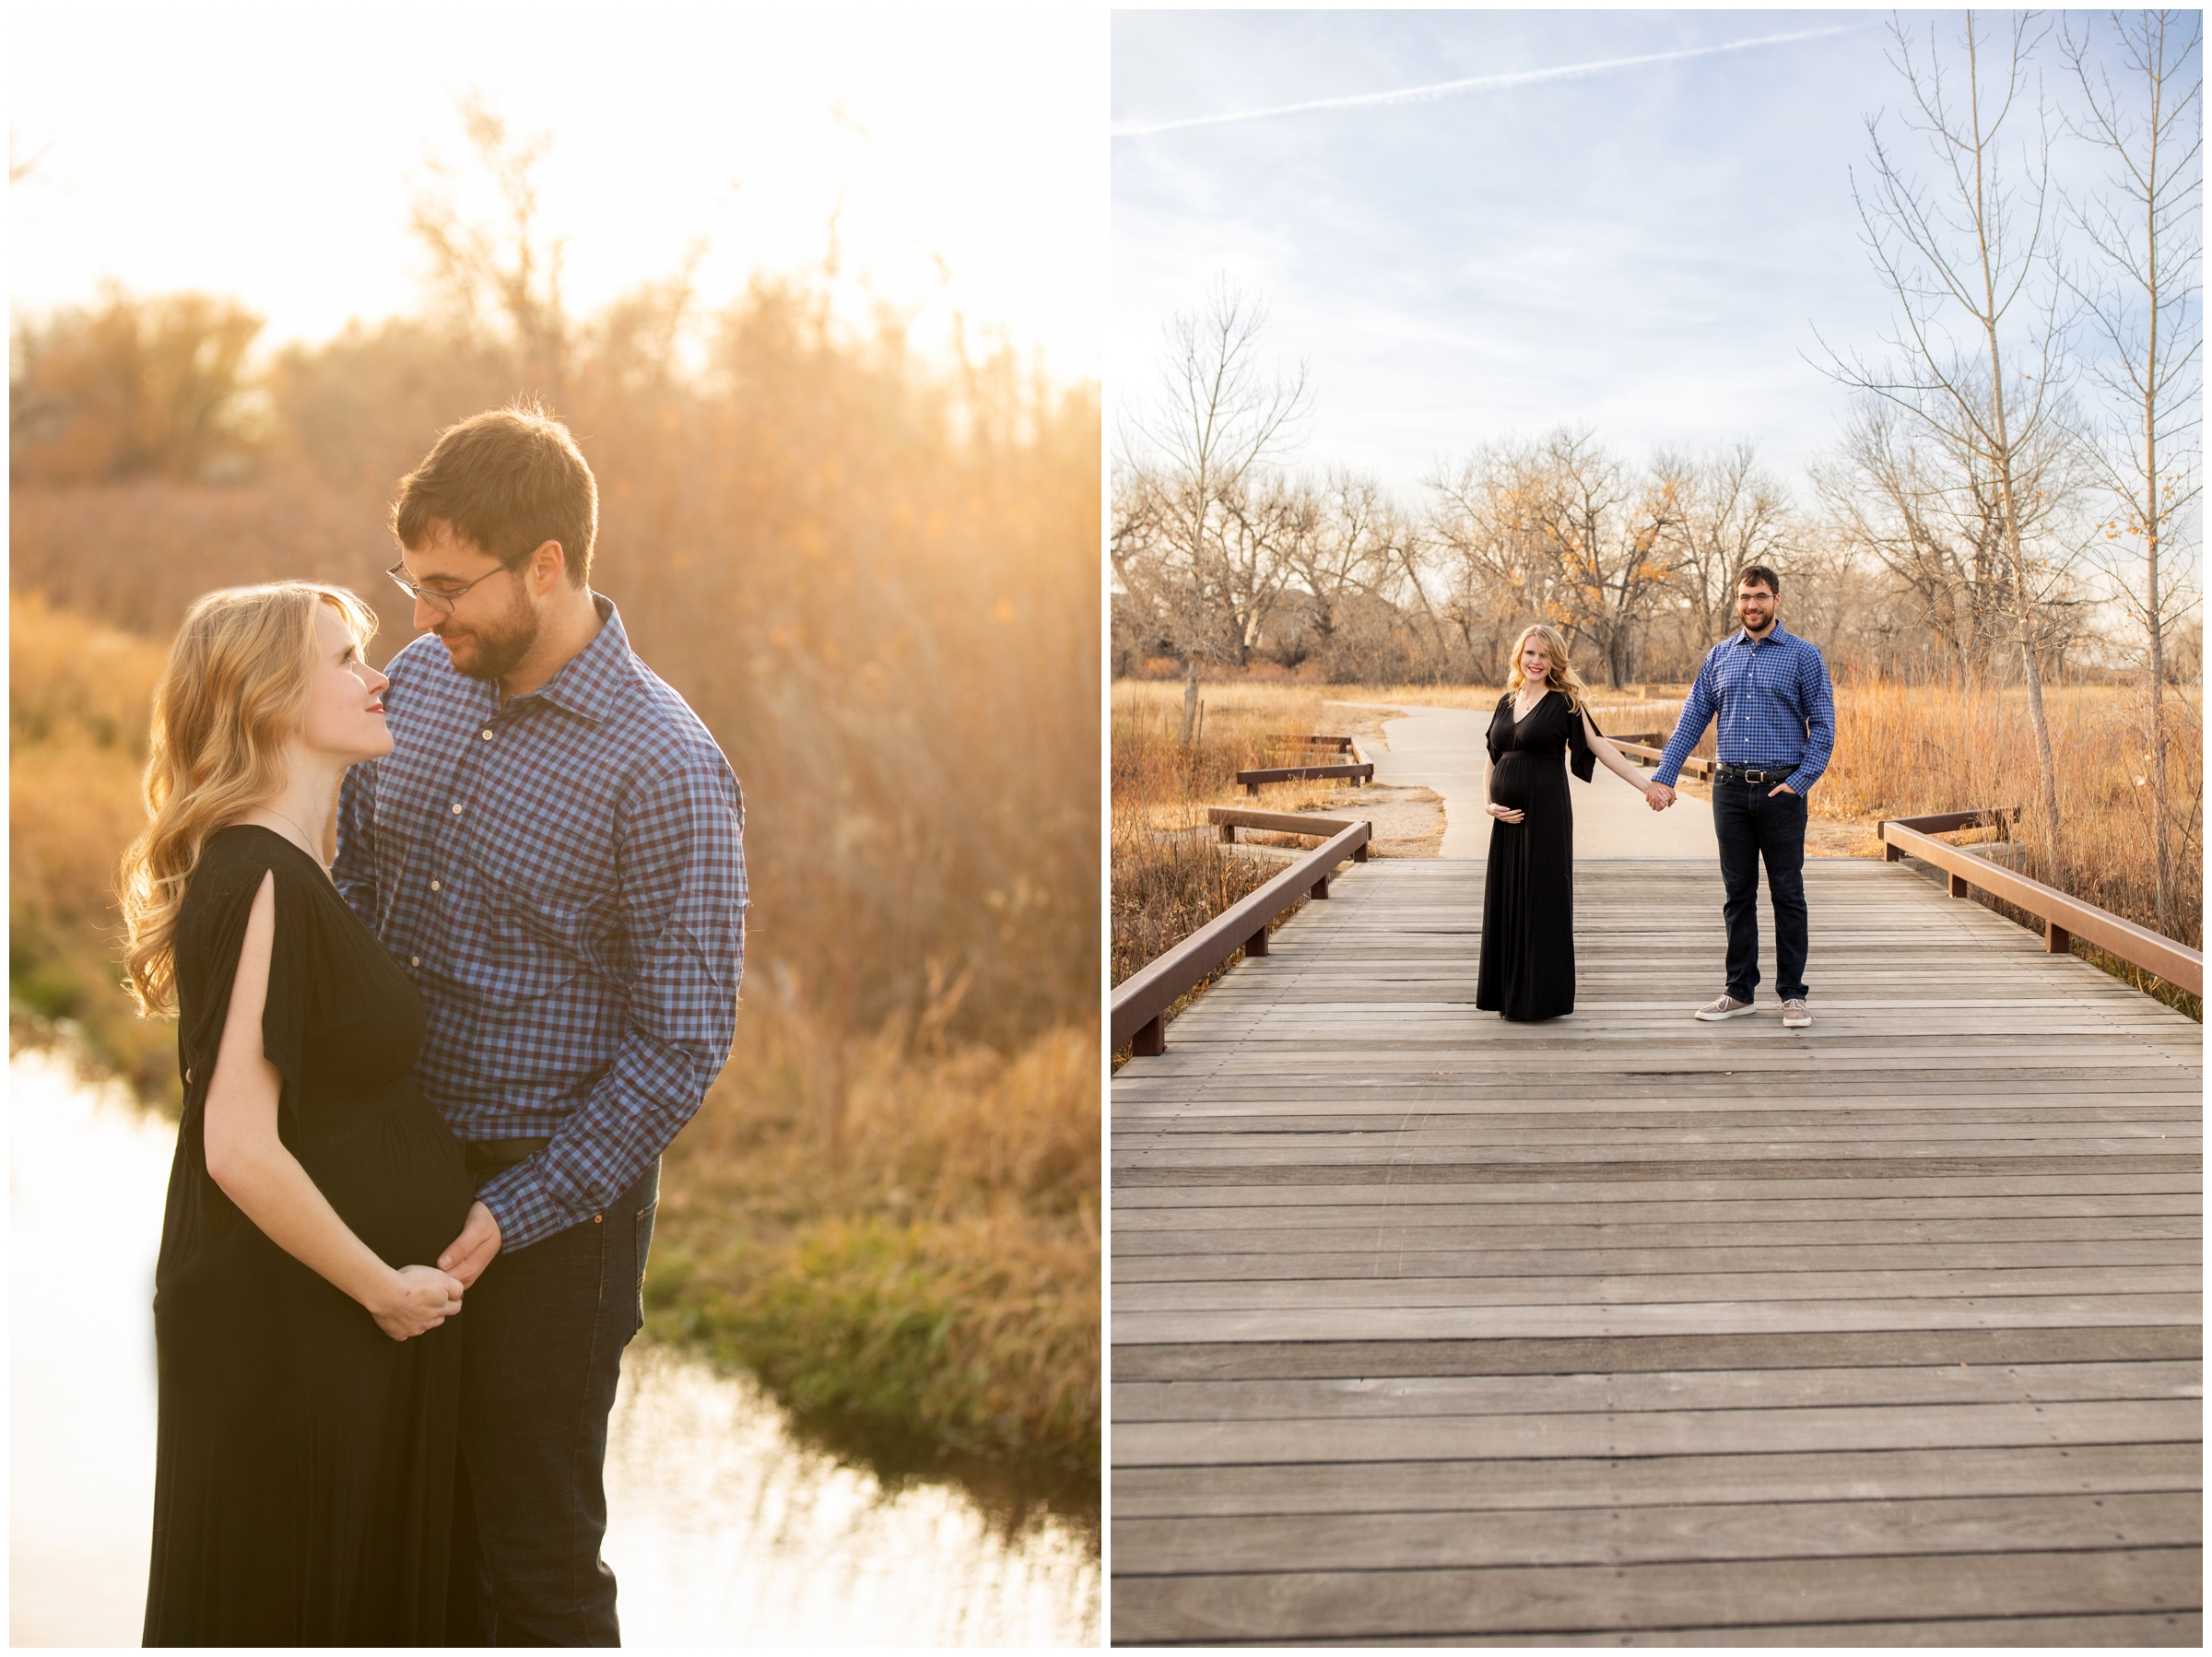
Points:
point(442, 603)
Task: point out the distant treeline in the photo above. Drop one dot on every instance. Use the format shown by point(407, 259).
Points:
point(1895, 568)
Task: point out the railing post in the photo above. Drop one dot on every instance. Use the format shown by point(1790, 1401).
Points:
point(2057, 940)
point(1321, 887)
point(1228, 834)
point(1151, 1041)
point(1359, 854)
point(1257, 943)
point(1958, 887)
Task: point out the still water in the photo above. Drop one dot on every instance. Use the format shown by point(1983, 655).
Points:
point(725, 1527)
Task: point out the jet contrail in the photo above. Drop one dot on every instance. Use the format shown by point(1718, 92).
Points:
point(1480, 83)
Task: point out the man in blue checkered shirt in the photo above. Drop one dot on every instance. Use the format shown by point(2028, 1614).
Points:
point(553, 851)
point(1769, 689)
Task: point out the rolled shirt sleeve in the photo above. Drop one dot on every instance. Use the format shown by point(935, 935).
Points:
point(682, 900)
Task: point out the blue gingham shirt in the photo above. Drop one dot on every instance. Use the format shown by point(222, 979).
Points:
point(1773, 699)
point(563, 877)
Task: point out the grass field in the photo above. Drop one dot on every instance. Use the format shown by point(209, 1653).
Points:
point(1170, 874)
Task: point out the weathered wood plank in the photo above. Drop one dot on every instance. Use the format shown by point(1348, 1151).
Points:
point(1702, 1318)
point(1514, 1599)
point(1408, 1396)
point(1449, 1488)
point(1504, 1212)
point(1628, 1354)
point(1386, 1233)
point(1285, 1263)
point(1651, 1433)
point(1172, 1170)
point(1974, 1524)
point(1662, 1196)
point(1394, 1292)
point(2045, 1633)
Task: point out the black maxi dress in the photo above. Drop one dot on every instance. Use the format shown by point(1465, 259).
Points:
point(304, 1481)
point(1527, 970)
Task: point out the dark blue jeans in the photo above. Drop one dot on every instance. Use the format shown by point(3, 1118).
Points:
point(543, 1331)
point(1750, 824)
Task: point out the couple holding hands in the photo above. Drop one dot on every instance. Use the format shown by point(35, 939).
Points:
point(1769, 691)
point(437, 1072)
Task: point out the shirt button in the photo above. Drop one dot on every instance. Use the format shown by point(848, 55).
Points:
point(434, 886)
point(486, 732)
point(414, 960)
point(456, 808)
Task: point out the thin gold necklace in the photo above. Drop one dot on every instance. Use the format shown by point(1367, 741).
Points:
point(305, 843)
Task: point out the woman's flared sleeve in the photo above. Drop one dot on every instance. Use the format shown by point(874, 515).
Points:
point(211, 932)
point(1581, 755)
point(207, 952)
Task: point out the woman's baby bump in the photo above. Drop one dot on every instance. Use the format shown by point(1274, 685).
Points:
point(1509, 782)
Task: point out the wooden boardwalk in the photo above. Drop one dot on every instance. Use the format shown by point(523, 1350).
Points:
point(1625, 1329)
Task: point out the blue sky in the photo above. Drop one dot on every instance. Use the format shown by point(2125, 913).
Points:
point(1645, 249)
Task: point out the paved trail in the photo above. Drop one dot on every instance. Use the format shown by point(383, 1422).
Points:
point(1443, 748)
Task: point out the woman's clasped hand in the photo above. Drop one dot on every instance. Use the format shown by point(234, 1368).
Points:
point(420, 1297)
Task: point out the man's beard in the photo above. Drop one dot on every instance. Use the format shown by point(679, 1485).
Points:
point(500, 651)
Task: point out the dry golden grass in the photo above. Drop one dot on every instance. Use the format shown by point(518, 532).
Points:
point(1171, 873)
point(79, 696)
point(1270, 706)
point(1902, 751)
point(914, 1239)
point(1603, 702)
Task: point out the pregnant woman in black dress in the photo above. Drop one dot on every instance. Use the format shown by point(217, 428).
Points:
point(308, 1380)
point(1528, 968)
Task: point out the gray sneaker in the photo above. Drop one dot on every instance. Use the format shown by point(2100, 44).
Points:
point(1725, 1006)
point(1793, 1016)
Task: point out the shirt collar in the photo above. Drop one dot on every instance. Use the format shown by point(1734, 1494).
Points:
point(589, 680)
point(1774, 634)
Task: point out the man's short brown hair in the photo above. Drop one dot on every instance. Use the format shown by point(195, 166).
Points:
point(1758, 575)
point(508, 481)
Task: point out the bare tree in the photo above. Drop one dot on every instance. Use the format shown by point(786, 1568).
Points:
point(1348, 528)
point(1264, 520)
point(1611, 533)
point(1929, 510)
point(2140, 296)
point(1206, 539)
point(1401, 572)
point(514, 269)
point(1733, 514)
point(1975, 249)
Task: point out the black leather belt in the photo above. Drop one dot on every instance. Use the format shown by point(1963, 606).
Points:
point(486, 1156)
point(1736, 773)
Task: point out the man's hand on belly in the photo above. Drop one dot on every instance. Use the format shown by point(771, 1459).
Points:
point(471, 1251)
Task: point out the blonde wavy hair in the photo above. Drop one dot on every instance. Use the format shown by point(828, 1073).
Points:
point(1563, 677)
point(234, 697)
